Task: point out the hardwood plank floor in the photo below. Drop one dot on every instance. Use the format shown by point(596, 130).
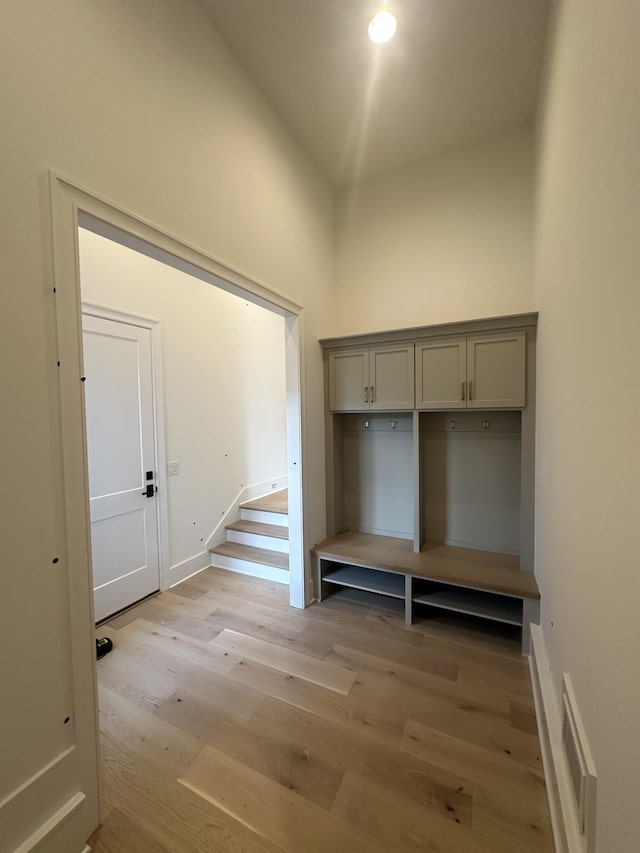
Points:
point(231, 722)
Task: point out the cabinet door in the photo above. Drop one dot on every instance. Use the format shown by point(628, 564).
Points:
point(496, 371)
point(349, 380)
point(441, 372)
point(391, 371)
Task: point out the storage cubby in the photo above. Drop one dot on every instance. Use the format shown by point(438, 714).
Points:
point(470, 479)
point(390, 584)
point(472, 602)
point(376, 461)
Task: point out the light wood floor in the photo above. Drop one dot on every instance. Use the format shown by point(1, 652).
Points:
point(231, 722)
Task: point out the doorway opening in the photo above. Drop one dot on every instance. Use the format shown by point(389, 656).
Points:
point(74, 207)
point(186, 421)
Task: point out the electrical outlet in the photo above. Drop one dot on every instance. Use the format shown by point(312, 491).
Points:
point(173, 468)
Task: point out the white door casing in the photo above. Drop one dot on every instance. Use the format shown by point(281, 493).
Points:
point(59, 805)
point(121, 452)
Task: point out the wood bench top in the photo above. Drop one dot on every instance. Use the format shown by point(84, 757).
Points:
point(460, 566)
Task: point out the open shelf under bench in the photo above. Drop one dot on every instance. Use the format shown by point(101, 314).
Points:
point(384, 583)
point(478, 583)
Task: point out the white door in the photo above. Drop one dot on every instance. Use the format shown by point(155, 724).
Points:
point(121, 448)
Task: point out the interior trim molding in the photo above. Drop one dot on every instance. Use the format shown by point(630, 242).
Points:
point(188, 568)
point(51, 825)
point(566, 832)
point(458, 327)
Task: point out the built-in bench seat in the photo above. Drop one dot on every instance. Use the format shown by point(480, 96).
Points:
point(479, 583)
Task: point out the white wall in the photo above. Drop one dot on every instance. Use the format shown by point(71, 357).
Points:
point(143, 104)
point(223, 384)
point(588, 415)
point(448, 239)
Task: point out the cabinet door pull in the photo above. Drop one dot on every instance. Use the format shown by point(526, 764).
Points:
point(463, 384)
point(366, 394)
point(470, 390)
point(373, 398)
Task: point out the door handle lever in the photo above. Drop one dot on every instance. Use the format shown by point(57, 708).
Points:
point(150, 491)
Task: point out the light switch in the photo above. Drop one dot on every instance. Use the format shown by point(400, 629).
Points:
point(173, 468)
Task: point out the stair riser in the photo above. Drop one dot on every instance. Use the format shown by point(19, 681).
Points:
point(264, 517)
point(244, 567)
point(258, 541)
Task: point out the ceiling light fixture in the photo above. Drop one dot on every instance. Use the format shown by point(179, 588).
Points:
point(382, 27)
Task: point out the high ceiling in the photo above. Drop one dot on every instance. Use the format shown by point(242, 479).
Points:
point(457, 71)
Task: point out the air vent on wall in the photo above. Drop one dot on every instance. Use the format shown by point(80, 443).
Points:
point(580, 763)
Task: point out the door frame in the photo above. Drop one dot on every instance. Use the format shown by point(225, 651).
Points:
point(130, 318)
point(70, 205)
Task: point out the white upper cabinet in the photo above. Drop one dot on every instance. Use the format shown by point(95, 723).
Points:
point(496, 371)
point(476, 372)
point(372, 379)
point(441, 373)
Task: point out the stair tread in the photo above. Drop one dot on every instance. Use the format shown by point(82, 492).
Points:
point(252, 555)
point(275, 502)
point(276, 531)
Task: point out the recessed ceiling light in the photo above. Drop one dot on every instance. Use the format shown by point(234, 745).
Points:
point(382, 27)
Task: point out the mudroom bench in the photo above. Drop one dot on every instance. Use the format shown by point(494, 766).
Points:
point(478, 583)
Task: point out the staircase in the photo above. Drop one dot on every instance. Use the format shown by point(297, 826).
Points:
point(258, 544)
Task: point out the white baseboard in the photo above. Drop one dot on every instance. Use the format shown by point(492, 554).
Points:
point(564, 820)
point(188, 568)
point(47, 836)
point(248, 493)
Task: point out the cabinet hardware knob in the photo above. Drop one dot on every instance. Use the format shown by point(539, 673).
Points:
point(471, 389)
point(463, 384)
point(366, 394)
point(372, 395)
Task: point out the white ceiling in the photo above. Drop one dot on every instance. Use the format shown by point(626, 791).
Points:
point(457, 71)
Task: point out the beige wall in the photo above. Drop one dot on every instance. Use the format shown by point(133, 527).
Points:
point(143, 104)
point(223, 384)
point(588, 472)
point(448, 239)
